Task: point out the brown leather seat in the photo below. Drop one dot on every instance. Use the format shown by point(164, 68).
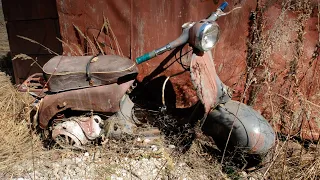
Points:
point(69, 72)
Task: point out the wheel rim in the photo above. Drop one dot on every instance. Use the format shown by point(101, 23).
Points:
point(67, 141)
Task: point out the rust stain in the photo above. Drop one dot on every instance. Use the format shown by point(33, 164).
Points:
point(203, 76)
point(141, 41)
point(257, 143)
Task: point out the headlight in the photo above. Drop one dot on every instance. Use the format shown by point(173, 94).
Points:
point(206, 35)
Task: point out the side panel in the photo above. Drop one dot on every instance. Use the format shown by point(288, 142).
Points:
point(99, 99)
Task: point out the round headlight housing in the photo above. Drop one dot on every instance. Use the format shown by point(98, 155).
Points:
point(206, 35)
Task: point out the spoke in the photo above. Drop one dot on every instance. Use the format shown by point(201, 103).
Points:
point(67, 140)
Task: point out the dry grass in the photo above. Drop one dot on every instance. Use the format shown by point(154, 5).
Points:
point(18, 143)
point(104, 42)
point(293, 161)
point(287, 96)
point(21, 150)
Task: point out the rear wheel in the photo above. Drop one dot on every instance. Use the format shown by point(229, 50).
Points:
point(69, 135)
point(65, 141)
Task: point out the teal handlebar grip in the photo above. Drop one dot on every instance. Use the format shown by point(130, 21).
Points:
point(145, 57)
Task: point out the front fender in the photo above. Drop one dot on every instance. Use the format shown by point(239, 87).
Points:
point(250, 133)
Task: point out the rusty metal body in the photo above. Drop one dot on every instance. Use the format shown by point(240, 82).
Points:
point(68, 102)
point(78, 111)
point(98, 99)
point(70, 88)
point(249, 131)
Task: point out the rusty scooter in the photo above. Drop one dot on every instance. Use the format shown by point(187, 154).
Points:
point(81, 99)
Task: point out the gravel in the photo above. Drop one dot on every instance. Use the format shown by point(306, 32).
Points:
point(143, 164)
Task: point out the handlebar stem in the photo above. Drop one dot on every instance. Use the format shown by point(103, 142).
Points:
point(163, 49)
point(215, 15)
point(183, 38)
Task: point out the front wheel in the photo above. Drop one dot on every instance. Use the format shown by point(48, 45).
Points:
point(250, 132)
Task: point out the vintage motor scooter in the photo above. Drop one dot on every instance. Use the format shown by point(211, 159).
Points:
point(83, 98)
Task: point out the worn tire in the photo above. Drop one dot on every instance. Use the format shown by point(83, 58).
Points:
point(251, 132)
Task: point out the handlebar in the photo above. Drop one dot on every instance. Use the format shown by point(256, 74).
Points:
point(179, 41)
point(145, 57)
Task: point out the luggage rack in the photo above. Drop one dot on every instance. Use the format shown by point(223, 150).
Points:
point(34, 85)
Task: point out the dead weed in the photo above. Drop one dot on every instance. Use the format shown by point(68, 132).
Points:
point(17, 142)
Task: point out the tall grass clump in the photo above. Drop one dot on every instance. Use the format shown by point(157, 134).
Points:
point(284, 84)
point(17, 142)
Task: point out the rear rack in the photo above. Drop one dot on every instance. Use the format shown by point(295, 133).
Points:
point(35, 85)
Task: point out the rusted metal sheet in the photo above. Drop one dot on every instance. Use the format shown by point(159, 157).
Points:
point(288, 94)
point(98, 99)
point(38, 21)
point(88, 16)
point(19, 10)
